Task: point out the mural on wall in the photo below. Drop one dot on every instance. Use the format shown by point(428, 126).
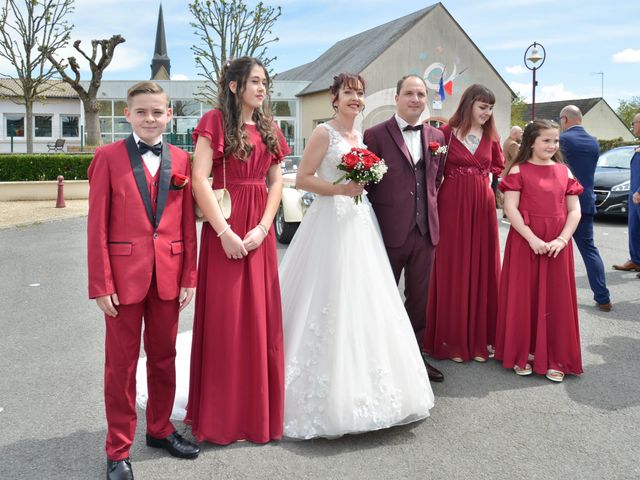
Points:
point(442, 79)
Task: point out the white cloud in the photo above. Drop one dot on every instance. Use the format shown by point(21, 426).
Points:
point(628, 55)
point(179, 76)
point(126, 58)
point(516, 70)
point(545, 93)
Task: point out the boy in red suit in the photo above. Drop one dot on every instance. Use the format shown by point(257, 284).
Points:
point(142, 267)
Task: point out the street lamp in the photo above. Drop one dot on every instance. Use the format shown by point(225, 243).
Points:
point(531, 58)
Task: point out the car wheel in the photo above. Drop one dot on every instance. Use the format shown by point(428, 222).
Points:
point(284, 230)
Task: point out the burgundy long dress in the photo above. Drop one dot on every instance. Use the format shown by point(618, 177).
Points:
point(463, 290)
point(538, 310)
point(236, 389)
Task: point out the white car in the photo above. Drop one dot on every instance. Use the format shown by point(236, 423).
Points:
point(294, 202)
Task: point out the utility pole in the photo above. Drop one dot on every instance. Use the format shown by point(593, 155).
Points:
point(601, 82)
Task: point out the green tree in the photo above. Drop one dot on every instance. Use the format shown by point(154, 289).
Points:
point(227, 29)
point(28, 28)
point(89, 94)
point(627, 109)
point(518, 109)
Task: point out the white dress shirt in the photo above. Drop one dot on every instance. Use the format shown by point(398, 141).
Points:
point(150, 160)
point(411, 139)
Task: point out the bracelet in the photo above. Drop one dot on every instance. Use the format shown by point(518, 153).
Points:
point(264, 229)
point(222, 232)
point(563, 240)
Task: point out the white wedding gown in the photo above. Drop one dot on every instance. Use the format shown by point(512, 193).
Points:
point(352, 363)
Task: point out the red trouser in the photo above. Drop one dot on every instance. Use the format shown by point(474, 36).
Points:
point(122, 348)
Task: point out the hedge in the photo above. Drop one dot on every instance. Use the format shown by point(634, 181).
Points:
point(616, 142)
point(34, 167)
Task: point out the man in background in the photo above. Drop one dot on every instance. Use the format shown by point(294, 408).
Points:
point(581, 152)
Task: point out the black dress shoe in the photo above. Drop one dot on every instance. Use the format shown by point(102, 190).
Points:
point(175, 445)
point(435, 375)
point(119, 469)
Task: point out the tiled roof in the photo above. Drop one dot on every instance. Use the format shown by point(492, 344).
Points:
point(352, 54)
point(551, 110)
point(58, 89)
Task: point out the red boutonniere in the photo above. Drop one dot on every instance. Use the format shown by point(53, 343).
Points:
point(179, 181)
point(436, 148)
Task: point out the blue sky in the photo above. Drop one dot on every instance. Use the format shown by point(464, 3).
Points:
point(581, 37)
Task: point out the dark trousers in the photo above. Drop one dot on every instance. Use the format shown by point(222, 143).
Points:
point(415, 256)
point(122, 348)
point(592, 260)
point(634, 232)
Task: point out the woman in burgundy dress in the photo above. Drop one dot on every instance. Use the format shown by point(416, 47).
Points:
point(463, 291)
point(236, 386)
point(538, 312)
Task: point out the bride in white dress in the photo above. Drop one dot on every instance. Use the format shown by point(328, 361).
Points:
point(352, 363)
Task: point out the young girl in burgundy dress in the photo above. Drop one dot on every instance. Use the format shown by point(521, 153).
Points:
point(537, 328)
point(237, 367)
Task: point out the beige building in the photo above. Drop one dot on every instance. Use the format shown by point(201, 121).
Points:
point(429, 43)
point(598, 118)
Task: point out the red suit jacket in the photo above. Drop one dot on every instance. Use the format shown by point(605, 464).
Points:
point(393, 199)
point(127, 243)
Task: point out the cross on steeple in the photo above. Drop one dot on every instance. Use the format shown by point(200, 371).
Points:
point(160, 65)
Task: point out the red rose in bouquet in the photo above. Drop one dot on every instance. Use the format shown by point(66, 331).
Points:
point(350, 160)
point(179, 181)
point(361, 166)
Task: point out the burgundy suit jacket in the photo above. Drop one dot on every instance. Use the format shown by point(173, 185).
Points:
point(393, 199)
point(127, 243)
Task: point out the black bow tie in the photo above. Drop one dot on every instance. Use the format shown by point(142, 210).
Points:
point(410, 128)
point(144, 148)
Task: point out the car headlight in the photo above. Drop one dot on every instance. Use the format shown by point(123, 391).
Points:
point(622, 187)
point(307, 198)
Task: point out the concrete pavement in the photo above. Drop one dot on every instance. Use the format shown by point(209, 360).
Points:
point(487, 423)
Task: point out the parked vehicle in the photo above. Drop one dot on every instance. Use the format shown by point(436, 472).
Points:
point(294, 202)
point(612, 181)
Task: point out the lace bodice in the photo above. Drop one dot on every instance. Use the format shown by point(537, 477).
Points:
point(338, 146)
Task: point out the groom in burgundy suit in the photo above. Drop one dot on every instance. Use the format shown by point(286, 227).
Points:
point(405, 201)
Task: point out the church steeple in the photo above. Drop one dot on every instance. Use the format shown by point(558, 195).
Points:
point(160, 65)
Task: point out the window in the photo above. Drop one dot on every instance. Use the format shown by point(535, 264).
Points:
point(14, 125)
point(119, 107)
point(69, 126)
point(288, 128)
point(186, 108)
point(183, 125)
point(121, 125)
point(42, 126)
point(282, 108)
point(106, 108)
point(106, 125)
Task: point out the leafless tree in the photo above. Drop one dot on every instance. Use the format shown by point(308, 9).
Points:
point(227, 29)
point(27, 29)
point(106, 49)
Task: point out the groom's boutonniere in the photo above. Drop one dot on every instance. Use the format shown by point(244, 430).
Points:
point(179, 181)
point(437, 149)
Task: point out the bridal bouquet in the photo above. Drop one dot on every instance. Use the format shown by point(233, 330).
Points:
point(361, 166)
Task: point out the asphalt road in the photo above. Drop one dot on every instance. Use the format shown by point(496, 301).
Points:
point(487, 423)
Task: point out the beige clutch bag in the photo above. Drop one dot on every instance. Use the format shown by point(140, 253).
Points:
point(222, 196)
